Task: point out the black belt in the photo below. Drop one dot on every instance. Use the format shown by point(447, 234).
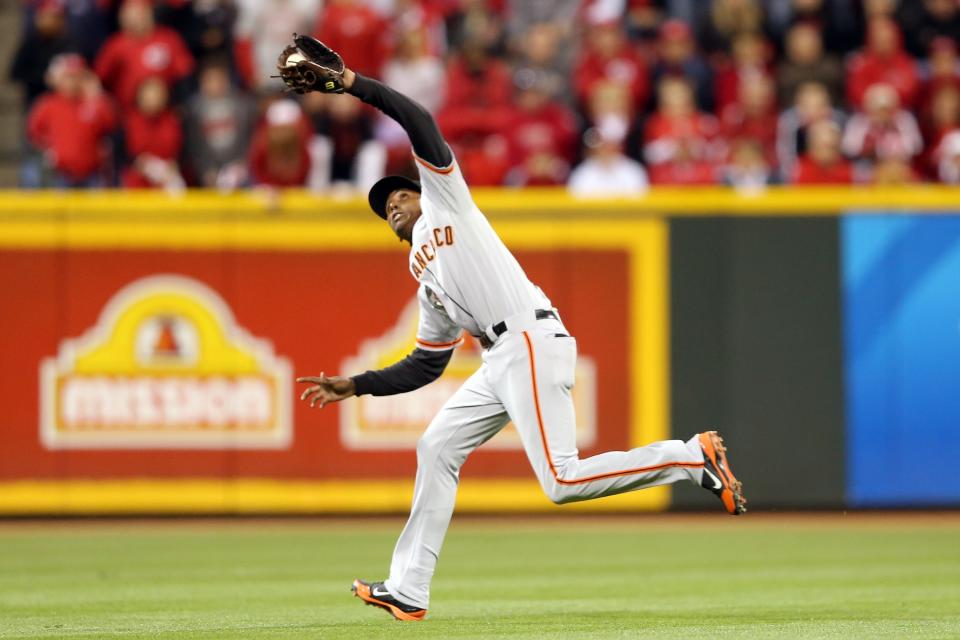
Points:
point(500, 328)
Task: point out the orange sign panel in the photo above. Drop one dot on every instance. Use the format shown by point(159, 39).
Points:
point(149, 364)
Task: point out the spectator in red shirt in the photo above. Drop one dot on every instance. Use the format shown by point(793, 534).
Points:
point(70, 124)
point(685, 168)
point(139, 51)
point(486, 161)
point(542, 136)
point(357, 32)
point(477, 113)
point(811, 104)
point(753, 115)
point(746, 169)
point(942, 68)
point(881, 131)
point(883, 60)
point(478, 94)
point(944, 119)
point(607, 56)
point(823, 163)
point(751, 57)
point(677, 132)
point(279, 156)
point(153, 140)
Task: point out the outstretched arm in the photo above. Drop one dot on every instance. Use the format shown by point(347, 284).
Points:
point(424, 134)
point(418, 369)
point(310, 65)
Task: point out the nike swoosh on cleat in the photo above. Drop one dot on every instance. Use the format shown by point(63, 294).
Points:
point(380, 594)
point(716, 481)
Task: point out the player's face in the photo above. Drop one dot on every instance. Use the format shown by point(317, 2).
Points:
point(403, 211)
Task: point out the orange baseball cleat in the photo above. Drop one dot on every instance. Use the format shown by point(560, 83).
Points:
point(376, 594)
point(717, 476)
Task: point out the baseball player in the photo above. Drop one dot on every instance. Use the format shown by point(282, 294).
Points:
point(469, 281)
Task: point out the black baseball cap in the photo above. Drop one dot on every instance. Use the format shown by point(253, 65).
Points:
point(384, 187)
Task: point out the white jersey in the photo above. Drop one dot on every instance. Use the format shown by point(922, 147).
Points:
point(468, 278)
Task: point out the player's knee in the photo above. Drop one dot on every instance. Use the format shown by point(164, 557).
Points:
point(559, 490)
point(427, 446)
point(559, 493)
point(433, 450)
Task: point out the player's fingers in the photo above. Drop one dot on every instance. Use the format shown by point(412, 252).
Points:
point(310, 379)
point(308, 391)
point(319, 397)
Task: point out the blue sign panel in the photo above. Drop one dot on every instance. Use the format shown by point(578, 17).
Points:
point(901, 288)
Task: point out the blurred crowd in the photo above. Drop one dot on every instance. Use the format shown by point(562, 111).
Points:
point(605, 96)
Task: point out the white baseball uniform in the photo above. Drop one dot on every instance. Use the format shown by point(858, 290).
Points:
point(470, 281)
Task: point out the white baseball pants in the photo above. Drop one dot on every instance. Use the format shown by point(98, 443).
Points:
point(526, 377)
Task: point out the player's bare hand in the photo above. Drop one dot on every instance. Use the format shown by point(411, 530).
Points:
point(325, 389)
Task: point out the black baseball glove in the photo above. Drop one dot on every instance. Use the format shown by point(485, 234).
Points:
point(309, 65)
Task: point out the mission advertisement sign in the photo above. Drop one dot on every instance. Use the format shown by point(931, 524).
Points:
point(165, 366)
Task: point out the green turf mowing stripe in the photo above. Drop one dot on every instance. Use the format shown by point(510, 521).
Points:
point(689, 578)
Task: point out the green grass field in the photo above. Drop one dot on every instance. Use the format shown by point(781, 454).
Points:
point(831, 576)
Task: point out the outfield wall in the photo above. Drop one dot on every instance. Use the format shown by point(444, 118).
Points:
point(149, 347)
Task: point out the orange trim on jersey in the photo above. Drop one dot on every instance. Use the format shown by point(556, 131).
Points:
point(437, 345)
point(546, 448)
point(442, 171)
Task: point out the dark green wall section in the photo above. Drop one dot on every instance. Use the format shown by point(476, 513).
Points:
point(756, 353)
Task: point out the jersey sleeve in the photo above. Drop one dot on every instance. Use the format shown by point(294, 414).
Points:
point(435, 331)
point(444, 187)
